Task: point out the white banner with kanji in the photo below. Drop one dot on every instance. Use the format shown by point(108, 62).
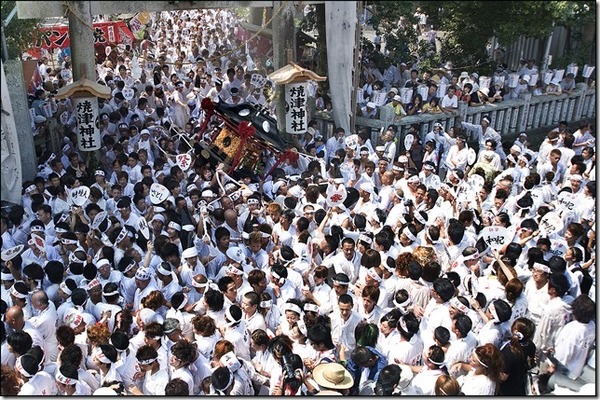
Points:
point(295, 108)
point(88, 133)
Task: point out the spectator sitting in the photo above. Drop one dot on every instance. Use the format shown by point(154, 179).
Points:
point(433, 107)
point(415, 106)
point(554, 87)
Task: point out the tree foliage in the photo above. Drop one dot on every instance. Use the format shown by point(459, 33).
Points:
point(20, 33)
point(469, 26)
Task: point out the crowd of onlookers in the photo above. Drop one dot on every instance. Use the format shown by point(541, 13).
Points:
point(419, 268)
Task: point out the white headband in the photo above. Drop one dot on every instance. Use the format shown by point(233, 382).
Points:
point(267, 304)
point(183, 303)
point(228, 315)
point(430, 239)
point(474, 256)
point(311, 307)
point(148, 361)
point(373, 274)
point(403, 324)
point(65, 380)
point(541, 267)
point(365, 238)
point(16, 293)
point(121, 236)
point(292, 307)
point(454, 302)
point(434, 362)
point(492, 309)
point(68, 241)
point(20, 368)
point(340, 283)
point(198, 285)
point(402, 305)
point(302, 327)
point(479, 360)
point(6, 277)
point(162, 270)
point(222, 391)
point(174, 225)
point(420, 218)
point(233, 270)
point(408, 234)
point(101, 357)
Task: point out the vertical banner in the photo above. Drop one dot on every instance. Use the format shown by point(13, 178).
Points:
point(10, 159)
point(88, 133)
point(295, 108)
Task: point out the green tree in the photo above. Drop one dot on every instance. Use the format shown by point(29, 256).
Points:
point(469, 26)
point(20, 33)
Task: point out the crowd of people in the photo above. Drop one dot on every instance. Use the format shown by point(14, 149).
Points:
point(413, 91)
point(345, 271)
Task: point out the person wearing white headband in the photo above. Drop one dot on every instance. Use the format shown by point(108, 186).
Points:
point(408, 238)
point(235, 331)
point(467, 262)
point(465, 342)
point(190, 266)
point(320, 292)
point(106, 273)
point(154, 378)
point(485, 367)
point(497, 326)
point(292, 313)
point(428, 177)
point(67, 380)
point(484, 132)
point(104, 357)
point(169, 284)
point(424, 381)
point(35, 382)
point(145, 284)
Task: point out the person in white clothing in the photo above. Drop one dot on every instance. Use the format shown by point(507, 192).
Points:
point(151, 379)
point(45, 322)
point(343, 324)
point(485, 367)
point(36, 382)
point(574, 343)
point(68, 383)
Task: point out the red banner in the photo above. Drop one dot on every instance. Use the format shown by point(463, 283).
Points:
point(105, 33)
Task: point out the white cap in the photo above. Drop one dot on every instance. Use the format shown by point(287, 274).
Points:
point(371, 105)
point(526, 78)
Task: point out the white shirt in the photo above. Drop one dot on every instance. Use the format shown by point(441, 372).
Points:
point(342, 332)
point(477, 385)
point(45, 323)
point(41, 383)
point(424, 382)
point(573, 345)
point(154, 385)
point(460, 350)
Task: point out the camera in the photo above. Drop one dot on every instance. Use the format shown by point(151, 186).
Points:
point(289, 372)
